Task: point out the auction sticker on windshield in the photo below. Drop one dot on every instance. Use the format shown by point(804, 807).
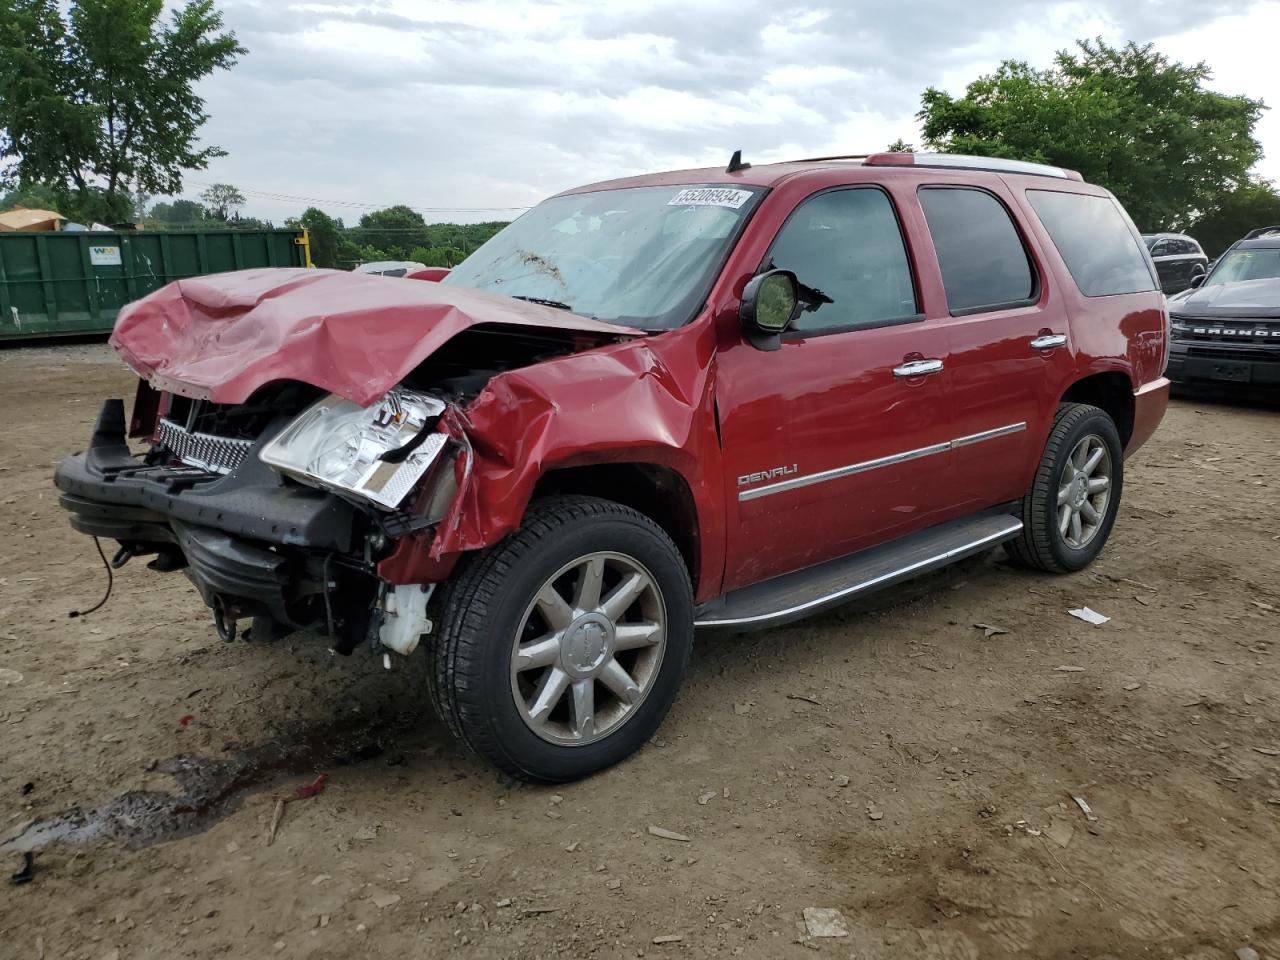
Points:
point(710, 197)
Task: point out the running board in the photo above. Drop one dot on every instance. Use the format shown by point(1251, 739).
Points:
point(794, 596)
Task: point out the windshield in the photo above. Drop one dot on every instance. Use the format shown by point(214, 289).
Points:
point(1260, 264)
point(642, 256)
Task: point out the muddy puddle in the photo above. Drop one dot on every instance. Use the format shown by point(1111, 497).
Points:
point(212, 788)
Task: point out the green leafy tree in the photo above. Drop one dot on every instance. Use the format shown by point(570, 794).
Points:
point(394, 231)
point(322, 230)
point(437, 256)
point(179, 213)
point(103, 95)
point(221, 200)
point(1256, 204)
point(1125, 117)
point(900, 146)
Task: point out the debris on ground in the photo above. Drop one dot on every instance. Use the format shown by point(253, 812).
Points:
point(1068, 668)
point(825, 922)
point(1132, 685)
point(874, 812)
point(668, 938)
point(990, 629)
point(311, 789)
point(1060, 832)
point(1267, 751)
point(1089, 616)
point(9, 677)
point(801, 696)
point(841, 780)
point(304, 792)
point(741, 709)
point(705, 798)
point(667, 834)
point(1246, 953)
point(1085, 808)
point(185, 719)
point(382, 899)
point(27, 872)
point(276, 816)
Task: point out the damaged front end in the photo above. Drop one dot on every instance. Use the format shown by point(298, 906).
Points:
point(288, 497)
point(276, 516)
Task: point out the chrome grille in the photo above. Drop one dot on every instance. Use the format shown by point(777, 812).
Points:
point(203, 450)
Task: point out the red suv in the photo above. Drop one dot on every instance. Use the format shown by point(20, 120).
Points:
point(709, 398)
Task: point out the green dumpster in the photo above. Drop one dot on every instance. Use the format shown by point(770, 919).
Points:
point(65, 283)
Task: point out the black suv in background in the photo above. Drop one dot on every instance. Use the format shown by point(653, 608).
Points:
point(1180, 263)
point(1227, 330)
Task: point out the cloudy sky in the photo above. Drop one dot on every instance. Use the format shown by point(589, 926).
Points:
point(472, 109)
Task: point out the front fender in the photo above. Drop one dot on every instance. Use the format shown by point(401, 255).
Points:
point(643, 401)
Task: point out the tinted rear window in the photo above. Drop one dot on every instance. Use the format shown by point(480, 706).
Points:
point(1097, 244)
point(984, 265)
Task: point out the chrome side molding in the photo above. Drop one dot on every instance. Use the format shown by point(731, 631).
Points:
point(808, 480)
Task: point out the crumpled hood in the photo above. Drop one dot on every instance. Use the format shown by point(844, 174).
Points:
point(1245, 298)
point(221, 337)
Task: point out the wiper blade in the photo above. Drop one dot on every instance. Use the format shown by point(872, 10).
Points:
point(546, 303)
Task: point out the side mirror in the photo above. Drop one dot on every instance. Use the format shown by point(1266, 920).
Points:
point(770, 303)
point(1197, 280)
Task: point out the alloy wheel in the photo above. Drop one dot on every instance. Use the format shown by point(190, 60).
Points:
point(588, 649)
point(1084, 491)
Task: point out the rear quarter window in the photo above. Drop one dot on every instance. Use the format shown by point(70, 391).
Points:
point(1099, 246)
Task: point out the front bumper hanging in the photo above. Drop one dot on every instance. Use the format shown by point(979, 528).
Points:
point(253, 542)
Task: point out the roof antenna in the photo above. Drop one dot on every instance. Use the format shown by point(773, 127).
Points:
point(736, 164)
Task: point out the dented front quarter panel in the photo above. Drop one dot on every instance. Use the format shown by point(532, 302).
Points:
point(646, 401)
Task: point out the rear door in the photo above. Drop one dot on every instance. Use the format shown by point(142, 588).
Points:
point(838, 439)
point(1008, 340)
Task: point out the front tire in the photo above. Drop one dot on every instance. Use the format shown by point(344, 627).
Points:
point(1070, 508)
point(561, 648)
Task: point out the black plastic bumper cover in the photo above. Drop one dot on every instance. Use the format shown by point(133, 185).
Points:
point(1226, 364)
point(236, 532)
point(110, 493)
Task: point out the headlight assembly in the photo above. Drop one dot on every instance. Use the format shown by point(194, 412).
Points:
point(378, 452)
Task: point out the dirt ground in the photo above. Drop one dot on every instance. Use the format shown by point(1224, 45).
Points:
point(894, 762)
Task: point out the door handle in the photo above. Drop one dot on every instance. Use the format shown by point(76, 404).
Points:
point(917, 368)
point(1049, 341)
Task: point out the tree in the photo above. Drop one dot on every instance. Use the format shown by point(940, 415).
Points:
point(221, 200)
point(179, 213)
point(104, 95)
point(900, 146)
point(322, 231)
point(395, 231)
point(1127, 118)
point(1256, 204)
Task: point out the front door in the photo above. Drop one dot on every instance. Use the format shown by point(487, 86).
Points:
point(839, 439)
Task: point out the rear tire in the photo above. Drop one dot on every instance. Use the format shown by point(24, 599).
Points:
point(561, 648)
point(1070, 508)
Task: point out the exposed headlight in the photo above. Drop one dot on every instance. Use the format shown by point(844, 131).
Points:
point(378, 452)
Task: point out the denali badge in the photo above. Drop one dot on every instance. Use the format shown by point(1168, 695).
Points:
point(775, 474)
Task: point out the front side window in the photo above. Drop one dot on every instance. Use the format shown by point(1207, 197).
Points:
point(846, 249)
point(1260, 264)
point(1097, 243)
point(641, 256)
point(984, 264)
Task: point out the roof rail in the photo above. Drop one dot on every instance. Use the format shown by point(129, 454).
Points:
point(962, 161)
point(1261, 232)
point(838, 156)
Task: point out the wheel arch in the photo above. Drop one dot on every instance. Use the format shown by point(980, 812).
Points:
point(1109, 390)
point(660, 492)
